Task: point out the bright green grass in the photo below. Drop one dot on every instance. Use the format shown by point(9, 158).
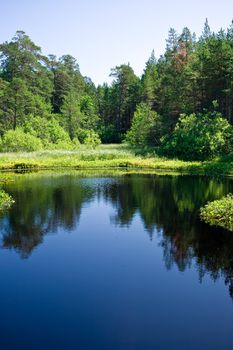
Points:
point(110, 156)
point(219, 213)
point(6, 200)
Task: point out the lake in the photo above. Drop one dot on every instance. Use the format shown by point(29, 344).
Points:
point(114, 262)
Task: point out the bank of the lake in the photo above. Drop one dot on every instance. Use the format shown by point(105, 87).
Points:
point(111, 156)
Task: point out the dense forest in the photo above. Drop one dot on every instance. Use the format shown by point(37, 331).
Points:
point(182, 105)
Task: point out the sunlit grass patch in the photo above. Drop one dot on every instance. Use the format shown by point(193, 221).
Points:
point(219, 213)
point(6, 200)
point(110, 156)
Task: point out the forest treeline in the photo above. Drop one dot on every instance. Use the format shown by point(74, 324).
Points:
point(182, 104)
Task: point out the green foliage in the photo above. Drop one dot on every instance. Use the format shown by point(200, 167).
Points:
point(150, 82)
point(75, 143)
point(92, 139)
point(48, 130)
point(56, 132)
point(81, 134)
point(50, 99)
point(219, 213)
point(78, 113)
point(122, 98)
point(146, 129)
point(71, 113)
point(199, 137)
point(17, 140)
point(6, 200)
point(89, 113)
point(108, 134)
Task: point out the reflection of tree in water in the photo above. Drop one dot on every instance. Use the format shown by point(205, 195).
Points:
point(214, 255)
point(159, 200)
point(41, 207)
point(169, 205)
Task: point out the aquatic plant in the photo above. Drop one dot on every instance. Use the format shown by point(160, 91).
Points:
point(6, 200)
point(219, 212)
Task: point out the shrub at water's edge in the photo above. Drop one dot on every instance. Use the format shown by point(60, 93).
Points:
point(199, 137)
point(17, 141)
point(219, 213)
point(6, 200)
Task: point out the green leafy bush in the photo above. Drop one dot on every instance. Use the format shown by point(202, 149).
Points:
point(219, 213)
point(48, 130)
point(75, 143)
point(17, 140)
point(109, 134)
point(81, 134)
point(92, 139)
point(146, 129)
point(199, 137)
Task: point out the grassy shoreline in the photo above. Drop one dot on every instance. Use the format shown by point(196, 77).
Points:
point(110, 157)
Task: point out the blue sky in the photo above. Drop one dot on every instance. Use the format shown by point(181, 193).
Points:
point(103, 33)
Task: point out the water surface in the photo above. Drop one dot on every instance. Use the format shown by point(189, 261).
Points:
point(114, 262)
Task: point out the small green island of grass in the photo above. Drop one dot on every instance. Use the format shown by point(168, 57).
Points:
point(6, 200)
point(219, 212)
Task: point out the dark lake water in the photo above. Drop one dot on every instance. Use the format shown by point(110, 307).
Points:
point(115, 263)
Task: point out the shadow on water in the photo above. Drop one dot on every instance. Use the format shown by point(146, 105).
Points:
point(168, 205)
